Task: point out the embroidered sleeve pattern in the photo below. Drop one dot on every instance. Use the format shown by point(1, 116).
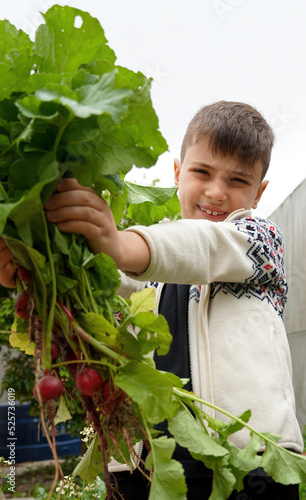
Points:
point(268, 282)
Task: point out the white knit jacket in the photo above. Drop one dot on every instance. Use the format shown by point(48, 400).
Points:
point(239, 352)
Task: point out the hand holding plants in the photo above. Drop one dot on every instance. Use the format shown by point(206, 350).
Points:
point(77, 209)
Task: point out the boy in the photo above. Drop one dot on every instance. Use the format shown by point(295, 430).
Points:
point(221, 286)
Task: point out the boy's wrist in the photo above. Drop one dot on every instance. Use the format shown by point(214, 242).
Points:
point(134, 253)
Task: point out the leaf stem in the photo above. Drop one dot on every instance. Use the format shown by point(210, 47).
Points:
point(98, 345)
point(60, 135)
point(182, 394)
point(83, 288)
point(65, 309)
point(149, 435)
point(74, 294)
point(110, 312)
point(90, 295)
point(50, 320)
point(4, 194)
point(83, 349)
point(88, 361)
point(20, 136)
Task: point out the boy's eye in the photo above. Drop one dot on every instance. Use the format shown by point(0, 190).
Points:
point(201, 171)
point(239, 180)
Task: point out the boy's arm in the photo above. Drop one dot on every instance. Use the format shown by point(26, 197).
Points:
point(202, 252)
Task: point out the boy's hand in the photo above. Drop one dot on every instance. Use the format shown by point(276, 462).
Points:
point(7, 268)
point(78, 209)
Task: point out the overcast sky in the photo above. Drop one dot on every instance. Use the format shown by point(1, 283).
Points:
point(202, 51)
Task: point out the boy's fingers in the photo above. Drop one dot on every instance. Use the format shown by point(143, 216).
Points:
point(7, 276)
point(6, 255)
point(7, 269)
point(2, 244)
point(70, 184)
point(77, 197)
point(74, 213)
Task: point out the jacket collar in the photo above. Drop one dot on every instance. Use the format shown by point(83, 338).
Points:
point(241, 213)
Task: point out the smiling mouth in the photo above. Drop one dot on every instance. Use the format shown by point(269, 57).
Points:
point(211, 212)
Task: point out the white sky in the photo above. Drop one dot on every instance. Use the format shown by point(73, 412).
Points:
point(201, 51)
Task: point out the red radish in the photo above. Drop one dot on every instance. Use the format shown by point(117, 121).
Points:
point(55, 351)
point(21, 306)
point(88, 381)
point(50, 388)
point(23, 274)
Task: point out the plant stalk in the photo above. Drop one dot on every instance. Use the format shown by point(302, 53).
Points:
point(182, 394)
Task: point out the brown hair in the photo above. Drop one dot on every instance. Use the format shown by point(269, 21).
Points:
point(233, 128)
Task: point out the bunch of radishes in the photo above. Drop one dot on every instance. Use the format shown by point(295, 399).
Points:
point(87, 379)
point(108, 409)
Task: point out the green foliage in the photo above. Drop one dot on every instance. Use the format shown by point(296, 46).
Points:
point(7, 312)
point(19, 374)
point(69, 488)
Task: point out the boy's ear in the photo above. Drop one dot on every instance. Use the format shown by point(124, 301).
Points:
point(261, 189)
point(177, 169)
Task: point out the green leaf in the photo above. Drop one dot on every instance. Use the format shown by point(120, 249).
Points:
point(104, 274)
point(155, 334)
point(111, 183)
point(64, 284)
point(40, 80)
point(149, 204)
point(62, 414)
point(75, 255)
point(22, 341)
point(176, 381)
point(143, 301)
point(283, 465)
point(149, 388)
point(98, 326)
point(26, 256)
point(249, 454)
point(5, 211)
point(4, 142)
point(168, 481)
point(61, 47)
point(136, 141)
point(140, 194)
point(118, 205)
point(234, 426)
point(239, 463)
point(188, 433)
point(99, 98)
point(223, 482)
point(29, 176)
point(91, 464)
point(11, 38)
point(16, 59)
point(61, 240)
point(28, 213)
point(32, 107)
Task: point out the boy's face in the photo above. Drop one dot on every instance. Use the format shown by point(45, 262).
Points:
point(211, 187)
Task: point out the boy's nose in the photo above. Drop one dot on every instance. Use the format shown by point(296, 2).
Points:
point(216, 191)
